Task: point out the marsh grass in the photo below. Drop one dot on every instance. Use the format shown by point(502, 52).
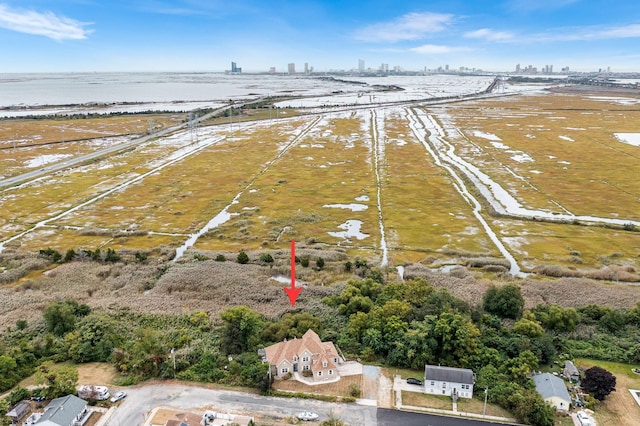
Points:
point(421, 207)
point(426, 220)
point(46, 137)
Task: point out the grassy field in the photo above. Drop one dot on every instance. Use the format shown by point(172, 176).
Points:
point(619, 408)
point(556, 153)
point(339, 388)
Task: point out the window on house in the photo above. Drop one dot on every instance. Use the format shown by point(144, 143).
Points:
point(335, 360)
point(324, 363)
point(285, 370)
point(305, 359)
point(444, 385)
point(306, 367)
point(319, 373)
point(433, 383)
point(331, 372)
point(295, 357)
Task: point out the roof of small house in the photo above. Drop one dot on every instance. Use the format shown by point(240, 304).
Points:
point(571, 369)
point(549, 386)
point(448, 374)
point(309, 342)
point(62, 411)
point(19, 410)
point(184, 419)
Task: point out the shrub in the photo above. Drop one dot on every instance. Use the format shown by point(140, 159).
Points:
point(220, 258)
point(354, 390)
point(320, 263)
point(266, 258)
point(304, 261)
point(243, 258)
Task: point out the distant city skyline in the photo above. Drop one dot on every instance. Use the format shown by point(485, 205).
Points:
point(207, 35)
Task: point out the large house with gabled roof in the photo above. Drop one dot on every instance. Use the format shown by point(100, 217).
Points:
point(308, 356)
point(449, 381)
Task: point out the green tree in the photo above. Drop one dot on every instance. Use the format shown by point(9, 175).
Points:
point(530, 328)
point(242, 258)
point(290, 326)
point(94, 338)
point(241, 329)
point(59, 380)
point(60, 317)
point(457, 339)
point(505, 301)
point(320, 263)
point(8, 376)
point(555, 317)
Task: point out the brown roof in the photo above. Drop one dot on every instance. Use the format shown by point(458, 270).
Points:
point(184, 418)
point(310, 342)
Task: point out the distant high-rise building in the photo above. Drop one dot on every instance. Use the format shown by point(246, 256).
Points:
point(361, 65)
point(306, 68)
point(446, 68)
point(272, 70)
point(518, 68)
point(235, 68)
point(292, 68)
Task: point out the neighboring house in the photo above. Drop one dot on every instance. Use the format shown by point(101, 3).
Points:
point(553, 390)
point(184, 419)
point(307, 354)
point(65, 411)
point(20, 411)
point(448, 381)
point(571, 373)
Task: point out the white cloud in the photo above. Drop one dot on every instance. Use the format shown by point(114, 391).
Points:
point(412, 26)
point(527, 6)
point(589, 33)
point(45, 24)
point(434, 49)
point(490, 35)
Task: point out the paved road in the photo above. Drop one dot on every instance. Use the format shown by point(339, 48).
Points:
point(140, 401)
point(394, 417)
point(106, 151)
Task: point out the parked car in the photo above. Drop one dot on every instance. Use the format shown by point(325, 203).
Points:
point(307, 416)
point(118, 396)
point(413, 381)
point(37, 398)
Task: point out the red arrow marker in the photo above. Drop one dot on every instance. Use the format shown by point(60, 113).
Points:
point(293, 292)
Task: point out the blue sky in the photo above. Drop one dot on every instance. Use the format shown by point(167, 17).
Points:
point(206, 35)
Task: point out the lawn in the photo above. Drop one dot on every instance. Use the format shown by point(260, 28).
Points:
point(339, 388)
point(619, 408)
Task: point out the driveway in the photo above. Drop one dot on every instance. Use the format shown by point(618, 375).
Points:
point(376, 386)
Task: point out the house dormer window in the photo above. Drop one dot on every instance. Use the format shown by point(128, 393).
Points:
point(295, 357)
point(305, 359)
point(324, 363)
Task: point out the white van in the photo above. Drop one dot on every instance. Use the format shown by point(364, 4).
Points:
point(96, 393)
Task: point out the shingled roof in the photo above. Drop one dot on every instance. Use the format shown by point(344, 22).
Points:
point(448, 374)
point(310, 342)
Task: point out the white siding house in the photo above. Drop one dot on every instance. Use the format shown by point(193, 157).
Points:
point(553, 390)
point(448, 381)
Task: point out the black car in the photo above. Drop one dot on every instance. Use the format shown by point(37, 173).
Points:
point(413, 381)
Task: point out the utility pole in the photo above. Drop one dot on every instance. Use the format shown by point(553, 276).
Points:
point(486, 392)
point(173, 355)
